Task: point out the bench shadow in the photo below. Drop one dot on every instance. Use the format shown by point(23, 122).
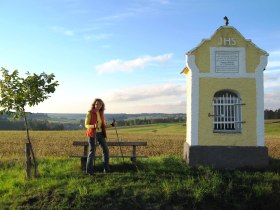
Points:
point(119, 167)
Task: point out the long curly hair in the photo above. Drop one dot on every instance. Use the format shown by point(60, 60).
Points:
point(102, 107)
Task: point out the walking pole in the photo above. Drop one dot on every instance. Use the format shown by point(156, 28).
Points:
point(119, 141)
point(94, 150)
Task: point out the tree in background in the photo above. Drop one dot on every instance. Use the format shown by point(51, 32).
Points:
point(270, 114)
point(16, 93)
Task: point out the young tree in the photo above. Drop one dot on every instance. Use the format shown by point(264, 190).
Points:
point(16, 93)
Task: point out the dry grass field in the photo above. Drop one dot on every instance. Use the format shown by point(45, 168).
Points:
point(273, 144)
point(59, 143)
point(162, 140)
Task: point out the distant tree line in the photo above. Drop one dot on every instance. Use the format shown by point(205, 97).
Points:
point(38, 121)
point(270, 114)
point(41, 121)
point(146, 121)
point(36, 125)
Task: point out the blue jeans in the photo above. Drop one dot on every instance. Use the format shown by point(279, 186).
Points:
point(92, 152)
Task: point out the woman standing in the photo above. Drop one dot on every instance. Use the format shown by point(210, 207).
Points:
point(96, 129)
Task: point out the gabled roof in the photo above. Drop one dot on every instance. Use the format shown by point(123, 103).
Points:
point(223, 27)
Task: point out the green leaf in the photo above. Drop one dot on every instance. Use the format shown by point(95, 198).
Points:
point(17, 92)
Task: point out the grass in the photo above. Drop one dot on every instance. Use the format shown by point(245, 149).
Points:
point(163, 128)
point(164, 182)
point(272, 127)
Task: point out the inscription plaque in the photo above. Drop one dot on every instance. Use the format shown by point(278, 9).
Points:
point(227, 61)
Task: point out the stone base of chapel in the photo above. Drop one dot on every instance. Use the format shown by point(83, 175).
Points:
point(226, 157)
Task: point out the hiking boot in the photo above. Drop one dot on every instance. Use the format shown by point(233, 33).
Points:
point(90, 174)
point(106, 170)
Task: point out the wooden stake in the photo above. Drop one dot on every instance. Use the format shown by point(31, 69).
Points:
point(28, 160)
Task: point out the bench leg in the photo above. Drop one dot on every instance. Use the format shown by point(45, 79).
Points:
point(83, 163)
point(84, 159)
point(133, 158)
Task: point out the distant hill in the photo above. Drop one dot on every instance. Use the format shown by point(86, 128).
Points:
point(66, 115)
point(74, 121)
point(121, 116)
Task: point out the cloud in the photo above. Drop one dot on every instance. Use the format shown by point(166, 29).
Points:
point(130, 10)
point(275, 53)
point(162, 91)
point(272, 81)
point(162, 1)
point(274, 60)
point(163, 98)
point(97, 37)
point(68, 32)
point(63, 30)
point(271, 74)
point(273, 64)
point(81, 34)
point(175, 106)
point(272, 100)
point(118, 65)
point(115, 17)
point(94, 23)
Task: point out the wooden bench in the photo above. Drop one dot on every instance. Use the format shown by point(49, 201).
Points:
point(85, 144)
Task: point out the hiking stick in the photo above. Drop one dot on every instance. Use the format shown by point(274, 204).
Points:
point(94, 150)
point(119, 141)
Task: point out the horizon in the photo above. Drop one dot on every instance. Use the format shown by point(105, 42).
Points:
point(112, 113)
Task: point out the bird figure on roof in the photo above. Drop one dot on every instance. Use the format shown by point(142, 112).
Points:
point(226, 20)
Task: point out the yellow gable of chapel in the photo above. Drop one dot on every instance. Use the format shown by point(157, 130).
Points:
point(226, 36)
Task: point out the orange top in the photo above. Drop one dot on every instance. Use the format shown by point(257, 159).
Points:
point(93, 125)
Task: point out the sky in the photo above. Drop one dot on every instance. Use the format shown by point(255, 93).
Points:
point(127, 52)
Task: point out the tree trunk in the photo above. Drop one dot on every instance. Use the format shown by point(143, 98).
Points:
point(28, 160)
point(29, 142)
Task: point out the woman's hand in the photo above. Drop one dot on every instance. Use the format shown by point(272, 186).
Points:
point(113, 123)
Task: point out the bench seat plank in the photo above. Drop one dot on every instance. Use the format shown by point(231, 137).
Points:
point(113, 143)
point(114, 156)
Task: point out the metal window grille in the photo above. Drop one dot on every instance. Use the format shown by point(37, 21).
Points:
point(227, 116)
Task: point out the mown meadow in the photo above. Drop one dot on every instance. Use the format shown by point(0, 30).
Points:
point(163, 181)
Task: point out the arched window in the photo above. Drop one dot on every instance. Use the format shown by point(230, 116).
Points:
point(227, 113)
